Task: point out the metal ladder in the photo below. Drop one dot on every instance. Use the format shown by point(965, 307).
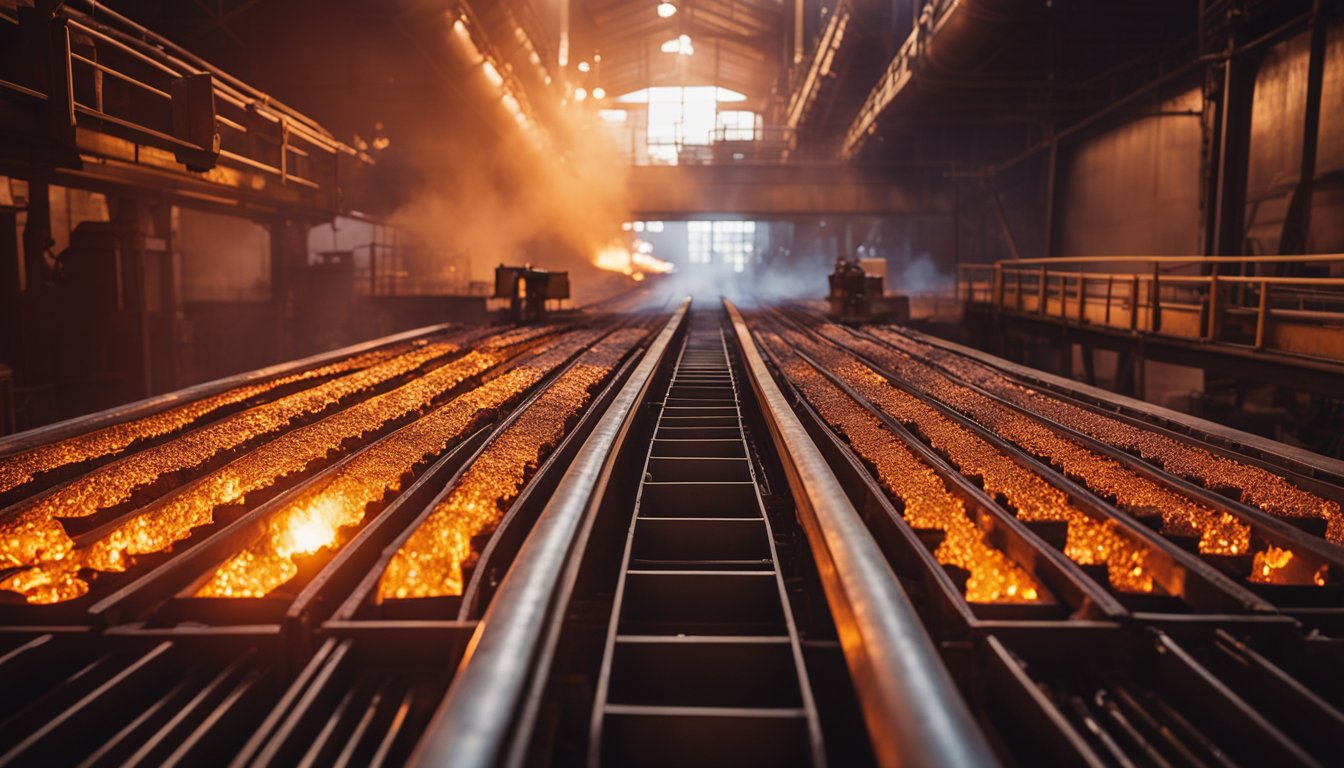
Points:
point(703, 664)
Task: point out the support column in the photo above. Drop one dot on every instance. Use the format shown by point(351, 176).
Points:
point(141, 295)
point(11, 319)
point(1226, 216)
point(36, 236)
point(289, 254)
point(1296, 237)
point(1089, 364)
point(1009, 238)
point(1051, 195)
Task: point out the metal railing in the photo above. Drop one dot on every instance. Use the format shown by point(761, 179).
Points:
point(113, 76)
point(894, 78)
point(1192, 297)
point(726, 144)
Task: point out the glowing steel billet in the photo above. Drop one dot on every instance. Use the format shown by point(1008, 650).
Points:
point(316, 519)
point(430, 563)
point(172, 518)
point(1088, 541)
point(926, 501)
point(1258, 487)
point(1219, 532)
point(20, 468)
point(32, 533)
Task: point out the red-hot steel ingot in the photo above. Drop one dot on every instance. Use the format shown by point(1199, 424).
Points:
point(1257, 486)
point(32, 533)
point(1088, 541)
point(431, 562)
point(172, 518)
point(315, 521)
point(927, 503)
point(1219, 532)
point(20, 468)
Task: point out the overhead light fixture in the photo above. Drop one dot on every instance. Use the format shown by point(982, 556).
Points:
point(580, 94)
point(492, 74)
point(679, 45)
point(583, 66)
point(666, 10)
point(599, 93)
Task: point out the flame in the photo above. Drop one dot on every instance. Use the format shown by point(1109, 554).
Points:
point(1267, 564)
point(635, 262)
point(614, 258)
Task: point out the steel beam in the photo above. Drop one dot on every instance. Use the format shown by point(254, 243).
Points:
point(778, 191)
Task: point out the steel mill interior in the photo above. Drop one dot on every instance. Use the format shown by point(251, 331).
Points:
point(698, 383)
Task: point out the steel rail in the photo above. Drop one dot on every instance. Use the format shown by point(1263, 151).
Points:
point(151, 405)
point(911, 706)
point(475, 724)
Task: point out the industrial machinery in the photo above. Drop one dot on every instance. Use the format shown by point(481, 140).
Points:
point(528, 289)
point(636, 538)
point(858, 294)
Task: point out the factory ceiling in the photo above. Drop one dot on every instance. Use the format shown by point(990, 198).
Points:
point(736, 43)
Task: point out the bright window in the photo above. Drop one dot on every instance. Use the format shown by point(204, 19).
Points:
point(731, 243)
point(686, 118)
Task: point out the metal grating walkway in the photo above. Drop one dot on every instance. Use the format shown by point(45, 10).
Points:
point(702, 664)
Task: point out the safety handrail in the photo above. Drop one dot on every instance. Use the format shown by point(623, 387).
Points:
point(1137, 299)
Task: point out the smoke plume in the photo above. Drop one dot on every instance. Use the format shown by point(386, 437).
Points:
point(510, 196)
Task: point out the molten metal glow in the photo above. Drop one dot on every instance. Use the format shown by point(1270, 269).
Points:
point(172, 518)
point(1219, 532)
point(31, 534)
point(316, 520)
point(617, 258)
point(1255, 485)
point(1268, 564)
point(21, 468)
point(1088, 542)
point(927, 502)
point(614, 259)
point(431, 561)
